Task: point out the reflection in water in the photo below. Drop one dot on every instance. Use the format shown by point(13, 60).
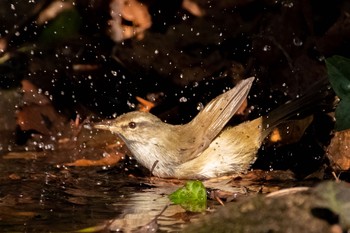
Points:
point(37, 196)
point(144, 207)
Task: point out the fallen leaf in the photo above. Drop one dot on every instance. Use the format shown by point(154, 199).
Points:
point(14, 176)
point(291, 131)
point(132, 11)
point(145, 105)
point(43, 119)
point(55, 8)
point(338, 150)
point(37, 112)
point(193, 8)
point(24, 155)
point(110, 159)
point(192, 197)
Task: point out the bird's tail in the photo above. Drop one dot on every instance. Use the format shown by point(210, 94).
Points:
point(311, 98)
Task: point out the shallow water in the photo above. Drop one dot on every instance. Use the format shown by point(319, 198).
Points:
point(38, 195)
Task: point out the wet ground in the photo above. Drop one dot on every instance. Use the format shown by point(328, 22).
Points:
point(38, 196)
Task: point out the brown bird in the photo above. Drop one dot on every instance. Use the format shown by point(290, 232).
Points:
point(202, 148)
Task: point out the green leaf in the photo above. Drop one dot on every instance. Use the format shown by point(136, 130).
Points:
point(338, 69)
point(192, 197)
point(93, 229)
point(65, 26)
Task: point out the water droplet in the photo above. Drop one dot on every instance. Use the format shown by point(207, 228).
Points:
point(267, 48)
point(114, 73)
point(287, 4)
point(297, 42)
point(131, 105)
point(321, 58)
point(183, 99)
point(200, 106)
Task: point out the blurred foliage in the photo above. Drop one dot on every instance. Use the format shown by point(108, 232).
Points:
point(65, 26)
point(338, 69)
point(336, 198)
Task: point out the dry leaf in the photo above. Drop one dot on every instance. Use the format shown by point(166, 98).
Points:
point(291, 131)
point(338, 150)
point(110, 159)
point(242, 108)
point(145, 105)
point(43, 119)
point(53, 10)
point(85, 67)
point(32, 95)
point(24, 155)
point(132, 11)
point(193, 8)
point(37, 113)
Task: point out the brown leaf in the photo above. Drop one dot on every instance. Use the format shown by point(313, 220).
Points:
point(145, 105)
point(110, 159)
point(43, 119)
point(193, 8)
point(24, 155)
point(55, 8)
point(290, 131)
point(338, 150)
point(37, 113)
point(132, 11)
point(31, 94)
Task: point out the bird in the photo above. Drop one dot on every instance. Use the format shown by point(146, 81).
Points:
point(205, 147)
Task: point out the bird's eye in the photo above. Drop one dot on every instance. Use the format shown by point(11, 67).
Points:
point(132, 125)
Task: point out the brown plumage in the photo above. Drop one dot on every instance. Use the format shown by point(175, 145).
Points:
point(202, 148)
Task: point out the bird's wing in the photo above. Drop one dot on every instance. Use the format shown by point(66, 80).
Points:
point(213, 118)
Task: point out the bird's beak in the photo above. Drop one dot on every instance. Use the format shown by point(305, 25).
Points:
point(107, 125)
point(103, 125)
